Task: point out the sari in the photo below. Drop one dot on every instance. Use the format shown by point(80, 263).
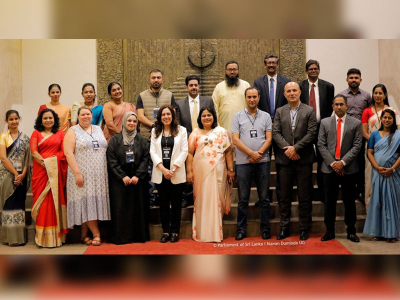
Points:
point(374, 123)
point(48, 187)
point(12, 198)
point(117, 119)
point(97, 113)
point(211, 191)
point(63, 112)
point(383, 218)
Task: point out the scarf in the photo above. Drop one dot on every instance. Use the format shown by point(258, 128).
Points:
point(128, 135)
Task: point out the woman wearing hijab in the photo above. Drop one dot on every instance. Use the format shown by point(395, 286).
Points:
point(127, 156)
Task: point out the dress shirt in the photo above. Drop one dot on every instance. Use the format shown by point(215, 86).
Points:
point(275, 86)
point(316, 90)
point(357, 102)
point(293, 115)
point(341, 133)
point(191, 104)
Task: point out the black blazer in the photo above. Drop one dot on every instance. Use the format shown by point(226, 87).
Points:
point(116, 157)
point(262, 85)
point(326, 94)
point(184, 111)
point(301, 138)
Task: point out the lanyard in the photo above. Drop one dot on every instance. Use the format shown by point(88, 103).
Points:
point(91, 127)
point(254, 120)
point(165, 138)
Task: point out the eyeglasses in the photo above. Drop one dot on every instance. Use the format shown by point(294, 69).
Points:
point(313, 69)
point(232, 70)
point(271, 63)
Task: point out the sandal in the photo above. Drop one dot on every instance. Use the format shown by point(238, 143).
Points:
point(86, 241)
point(378, 238)
point(96, 241)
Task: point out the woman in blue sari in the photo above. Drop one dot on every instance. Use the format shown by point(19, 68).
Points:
point(383, 220)
point(15, 156)
point(89, 97)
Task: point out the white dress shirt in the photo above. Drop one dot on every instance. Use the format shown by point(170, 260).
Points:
point(269, 86)
point(341, 133)
point(191, 104)
point(316, 90)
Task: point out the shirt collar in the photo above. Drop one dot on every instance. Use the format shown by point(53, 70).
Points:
point(350, 92)
point(343, 118)
point(247, 112)
point(192, 99)
point(310, 83)
point(274, 77)
point(296, 108)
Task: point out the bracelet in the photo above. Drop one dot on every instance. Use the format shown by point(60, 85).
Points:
point(394, 170)
point(230, 170)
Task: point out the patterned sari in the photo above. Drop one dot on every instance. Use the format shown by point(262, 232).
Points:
point(12, 198)
point(117, 119)
point(63, 112)
point(383, 218)
point(211, 190)
point(48, 187)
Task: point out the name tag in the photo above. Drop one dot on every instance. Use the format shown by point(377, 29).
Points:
point(156, 109)
point(96, 145)
point(130, 158)
point(253, 133)
point(166, 153)
point(18, 166)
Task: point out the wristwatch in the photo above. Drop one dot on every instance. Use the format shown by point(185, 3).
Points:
point(230, 170)
point(394, 170)
point(173, 170)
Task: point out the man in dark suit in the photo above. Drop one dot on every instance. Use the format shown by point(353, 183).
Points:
point(318, 94)
point(189, 108)
point(339, 142)
point(293, 132)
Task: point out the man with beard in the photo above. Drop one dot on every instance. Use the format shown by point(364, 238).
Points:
point(357, 101)
point(189, 108)
point(228, 95)
point(147, 105)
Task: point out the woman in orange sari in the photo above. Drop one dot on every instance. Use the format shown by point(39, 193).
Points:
point(115, 110)
point(48, 180)
point(63, 111)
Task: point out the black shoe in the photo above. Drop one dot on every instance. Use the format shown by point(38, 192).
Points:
point(164, 238)
point(174, 237)
point(240, 236)
point(304, 235)
point(186, 203)
point(257, 204)
point(283, 235)
point(266, 235)
point(353, 237)
point(328, 236)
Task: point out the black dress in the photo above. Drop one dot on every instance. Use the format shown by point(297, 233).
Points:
point(130, 207)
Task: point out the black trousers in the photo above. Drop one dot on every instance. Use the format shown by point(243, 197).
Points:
point(348, 183)
point(360, 177)
point(303, 175)
point(170, 196)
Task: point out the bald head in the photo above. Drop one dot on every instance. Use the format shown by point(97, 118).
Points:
point(292, 93)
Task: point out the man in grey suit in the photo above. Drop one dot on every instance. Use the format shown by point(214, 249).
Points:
point(293, 132)
point(189, 108)
point(339, 142)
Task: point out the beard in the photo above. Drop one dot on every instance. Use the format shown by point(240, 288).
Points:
point(231, 82)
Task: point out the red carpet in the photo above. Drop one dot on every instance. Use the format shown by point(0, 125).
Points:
point(250, 245)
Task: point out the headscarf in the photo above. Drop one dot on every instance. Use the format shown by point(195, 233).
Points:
point(128, 135)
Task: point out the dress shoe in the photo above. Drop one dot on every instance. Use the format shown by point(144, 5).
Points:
point(174, 238)
point(304, 235)
point(353, 237)
point(164, 238)
point(283, 235)
point(328, 236)
point(186, 203)
point(266, 235)
point(240, 236)
point(257, 204)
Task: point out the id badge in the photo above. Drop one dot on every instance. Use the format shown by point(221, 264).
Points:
point(156, 111)
point(167, 153)
point(96, 145)
point(18, 166)
point(253, 133)
point(130, 158)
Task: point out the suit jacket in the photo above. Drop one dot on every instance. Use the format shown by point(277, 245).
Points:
point(262, 85)
point(301, 138)
point(326, 93)
point(178, 157)
point(351, 143)
point(184, 111)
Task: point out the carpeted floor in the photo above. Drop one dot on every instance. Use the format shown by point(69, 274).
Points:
point(250, 245)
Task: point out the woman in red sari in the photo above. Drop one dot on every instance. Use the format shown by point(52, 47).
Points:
point(48, 180)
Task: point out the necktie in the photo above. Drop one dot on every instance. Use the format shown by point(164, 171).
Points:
point(312, 98)
point(194, 115)
point(272, 98)
point(338, 136)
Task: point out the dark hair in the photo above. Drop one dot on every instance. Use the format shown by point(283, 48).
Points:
point(339, 96)
point(192, 77)
point(54, 85)
point(84, 107)
point(174, 123)
point(271, 56)
point(312, 62)
point(384, 90)
point(10, 112)
point(111, 85)
point(214, 114)
point(94, 90)
point(39, 125)
point(251, 88)
point(394, 125)
point(353, 71)
point(157, 71)
point(232, 62)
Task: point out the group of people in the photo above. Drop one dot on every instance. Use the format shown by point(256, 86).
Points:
point(99, 163)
